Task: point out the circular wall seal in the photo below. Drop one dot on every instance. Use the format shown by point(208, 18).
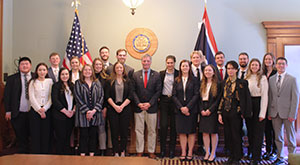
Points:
point(141, 41)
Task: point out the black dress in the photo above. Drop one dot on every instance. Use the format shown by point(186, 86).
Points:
point(209, 124)
point(186, 124)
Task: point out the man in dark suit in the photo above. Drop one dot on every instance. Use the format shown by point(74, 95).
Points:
point(235, 104)
point(198, 63)
point(167, 109)
point(243, 62)
point(283, 103)
point(221, 70)
point(17, 104)
point(121, 56)
point(54, 68)
point(104, 55)
point(146, 91)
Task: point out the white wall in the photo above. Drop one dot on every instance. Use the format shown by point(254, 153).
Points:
point(7, 56)
point(41, 27)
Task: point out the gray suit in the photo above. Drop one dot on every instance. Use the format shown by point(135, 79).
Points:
point(283, 105)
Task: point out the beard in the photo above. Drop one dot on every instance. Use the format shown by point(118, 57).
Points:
point(243, 65)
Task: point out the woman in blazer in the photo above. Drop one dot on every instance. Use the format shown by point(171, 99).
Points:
point(102, 77)
point(89, 99)
point(268, 67)
point(210, 94)
point(258, 86)
point(118, 94)
point(63, 103)
point(185, 96)
point(39, 115)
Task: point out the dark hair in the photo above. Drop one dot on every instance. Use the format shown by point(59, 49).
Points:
point(113, 75)
point(53, 54)
point(24, 59)
point(120, 50)
point(219, 53)
point(171, 57)
point(243, 53)
point(103, 47)
point(234, 64)
point(281, 58)
point(35, 74)
point(69, 82)
point(264, 68)
point(178, 79)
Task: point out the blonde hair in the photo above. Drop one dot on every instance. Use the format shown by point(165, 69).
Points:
point(81, 78)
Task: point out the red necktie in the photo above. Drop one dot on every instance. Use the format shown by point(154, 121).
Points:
point(221, 73)
point(145, 79)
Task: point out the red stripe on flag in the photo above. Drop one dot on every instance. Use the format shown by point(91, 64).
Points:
point(209, 30)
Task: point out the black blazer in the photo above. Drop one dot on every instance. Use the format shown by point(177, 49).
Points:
point(213, 102)
point(149, 94)
point(110, 91)
point(244, 95)
point(191, 93)
point(12, 94)
point(59, 101)
point(163, 74)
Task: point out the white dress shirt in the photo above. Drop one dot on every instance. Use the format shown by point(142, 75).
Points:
point(261, 91)
point(282, 77)
point(184, 81)
point(194, 70)
point(24, 103)
point(205, 96)
point(55, 72)
point(40, 94)
point(69, 98)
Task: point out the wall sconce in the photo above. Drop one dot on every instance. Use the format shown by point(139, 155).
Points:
point(133, 4)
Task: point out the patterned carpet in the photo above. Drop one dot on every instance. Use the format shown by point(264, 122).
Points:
point(219, 161)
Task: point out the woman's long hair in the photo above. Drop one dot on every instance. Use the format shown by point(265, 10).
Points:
point(264, 67)
point(102, 72)
point(259, 73)
point(214, 84)
point(113, 75)
point(69, 82)
point(35, 74)
point(93, 77)
point(179, 77)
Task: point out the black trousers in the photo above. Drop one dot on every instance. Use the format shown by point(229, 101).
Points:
point(63, 130)
point(119, 124)
point(167, 113)
point(40, 132)
point(232, 126)
point(270, 137)
point(20, 125)
point(256, 130)
point(88, 139)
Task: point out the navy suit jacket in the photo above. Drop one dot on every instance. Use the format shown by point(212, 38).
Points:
point(149, 94)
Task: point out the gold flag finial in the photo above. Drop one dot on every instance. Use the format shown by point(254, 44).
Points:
point(75, 3)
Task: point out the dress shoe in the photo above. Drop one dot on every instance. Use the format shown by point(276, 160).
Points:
point(228, 162)
point(253, 162)
point(201, 150)
point(162, 154)
point(139, 154)
point(182, 158)
point(235, 162)
point(211, 161)
point(189, 158)
point(249, 156)
point(172, 154)
point(266, 155)
point(152, 155)
point(278, 162)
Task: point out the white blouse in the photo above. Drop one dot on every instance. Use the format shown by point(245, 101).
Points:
point(261, 91)
point(69, 98)
point(206, 94)
point(184, 81)
point(40, 94)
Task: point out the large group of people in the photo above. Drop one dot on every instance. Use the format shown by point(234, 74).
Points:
point(100, 99)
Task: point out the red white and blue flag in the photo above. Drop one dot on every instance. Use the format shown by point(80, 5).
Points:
point(77, 46)
point(206, 41)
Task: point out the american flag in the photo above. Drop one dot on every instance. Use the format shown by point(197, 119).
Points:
point(77, 46)
point(206, 40)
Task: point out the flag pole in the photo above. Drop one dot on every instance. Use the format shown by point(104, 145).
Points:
point(205, 2)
